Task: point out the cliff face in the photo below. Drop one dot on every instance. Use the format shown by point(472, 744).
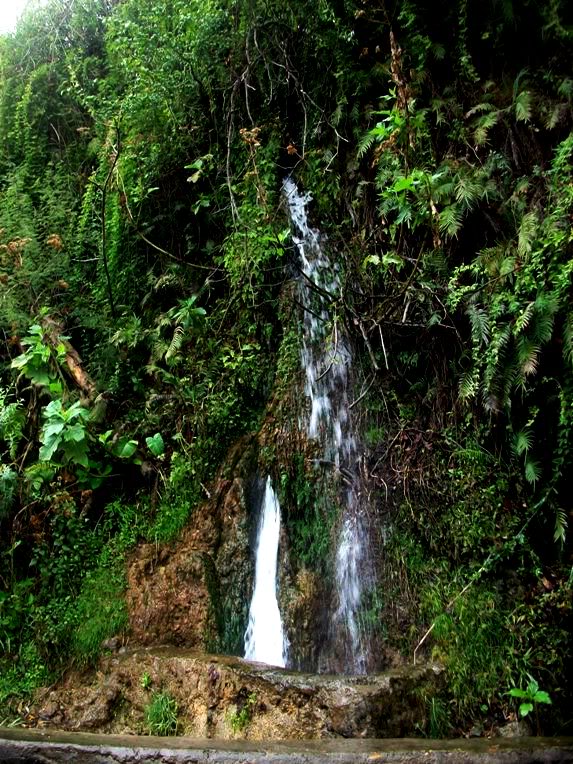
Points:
point(394, 353)
point(195, 591)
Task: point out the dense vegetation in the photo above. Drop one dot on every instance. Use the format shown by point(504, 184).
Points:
point(143, 147)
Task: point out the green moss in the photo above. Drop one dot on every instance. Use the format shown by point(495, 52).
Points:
point(311, 514)
point(100, 610)
point(232, 640)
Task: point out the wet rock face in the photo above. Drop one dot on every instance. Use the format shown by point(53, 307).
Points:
point(305, 617)
point(225, 698)
point(168, 598)
point(194, 592)
point(234, 567)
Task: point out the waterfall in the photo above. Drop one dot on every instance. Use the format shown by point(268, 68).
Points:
point(327, 360)
point(264, 638)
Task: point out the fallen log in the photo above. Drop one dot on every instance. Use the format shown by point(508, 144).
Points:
point(54, 336)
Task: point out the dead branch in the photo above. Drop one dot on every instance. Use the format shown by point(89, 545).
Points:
point(53, 334)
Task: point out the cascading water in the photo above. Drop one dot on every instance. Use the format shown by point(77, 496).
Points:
point(326, 360)
point(264, 638)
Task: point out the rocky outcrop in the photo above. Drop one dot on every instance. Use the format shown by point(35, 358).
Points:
point(195, 591)
point(168, 597)
point(221, 697)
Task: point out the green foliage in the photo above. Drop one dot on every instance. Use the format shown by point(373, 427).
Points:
point(241, 718)
point(100, 610)
point(493, 214)
point(161, 714)
point(14, 605)
point(529, 697)
point(21, 675)
point(492, 623)
point(39, 363)
point(182, 492)
point(64, 433)
point(12, 421)
point(124, 524)
point(156, 444)
point(143, 146)
point(8, 485)
point(439, 725)
point(65, 554)
point(312, 515)
point(187, 314)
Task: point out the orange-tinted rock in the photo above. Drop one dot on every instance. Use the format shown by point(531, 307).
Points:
point(214, 692)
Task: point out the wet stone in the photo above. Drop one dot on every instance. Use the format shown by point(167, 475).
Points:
point(212, 693)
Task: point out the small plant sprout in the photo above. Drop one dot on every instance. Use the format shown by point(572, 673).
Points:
point(242, 717)
point(530, 697)
point(146, 681)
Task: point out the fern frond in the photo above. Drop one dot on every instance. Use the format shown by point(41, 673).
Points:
point(522, 321)
point(483, 125)
point(489, 189)
point(532, 470)
point(437, 105)
point(501, 370)
point(365, 144)
point(479, 320)
point(451, 220)
point(565, 88)
point(404, 214)
point(517, 81)
point(479, 108)
point(568, 339)
point(435, 262)
point(526, 234)
point(507, 266)
point(443, 190)
point(555, 115)
point(163, 321)
point(176, 342)
point(527, 355)
point(469, 384)
point(158, 350)
point(542, 329)
point(560, 531)
point(522, 441)
point(546, 306)
point(490, 258)
point(547, 302)
point(523, 106)
point(468, 191)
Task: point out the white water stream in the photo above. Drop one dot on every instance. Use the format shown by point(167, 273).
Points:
point(326, 360)
point(264, 638)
